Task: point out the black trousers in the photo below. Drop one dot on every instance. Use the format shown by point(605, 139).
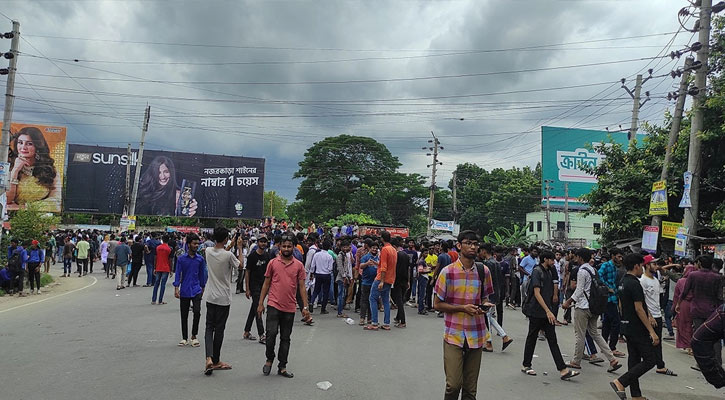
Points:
point(429, 295)
point(535, 326)
point(499, 312)
point(184, 303)
point(397, 294)
point(17, 279)
point(359, 294)
point(641, 359)
point(240, 282)
point(253, 313)
point(33, 275)
point(279, 322)
point(216, 321)
point(133, 276)
point(610, 325)
point(658, 349)
point(82, 265)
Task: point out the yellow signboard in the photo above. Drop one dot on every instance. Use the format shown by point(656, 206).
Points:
point(669, 229)
point(658, 200)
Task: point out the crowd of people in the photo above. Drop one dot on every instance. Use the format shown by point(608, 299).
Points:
point(612, 297)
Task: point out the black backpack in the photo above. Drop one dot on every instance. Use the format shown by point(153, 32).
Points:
point(598, 295)
point(15, 263)
point(529, 295)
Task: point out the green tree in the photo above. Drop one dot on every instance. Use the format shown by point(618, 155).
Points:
point(30, 223)
point(274, 205)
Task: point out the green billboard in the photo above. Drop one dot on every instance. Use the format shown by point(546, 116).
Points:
point(563, 152)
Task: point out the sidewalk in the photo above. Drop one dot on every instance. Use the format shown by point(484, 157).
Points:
point(58, 287)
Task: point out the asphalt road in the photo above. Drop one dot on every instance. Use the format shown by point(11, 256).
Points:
point(99, 343)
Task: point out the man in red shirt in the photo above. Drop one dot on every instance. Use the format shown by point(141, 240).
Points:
point(383, 281)
point(161, 272)
point(284, 277)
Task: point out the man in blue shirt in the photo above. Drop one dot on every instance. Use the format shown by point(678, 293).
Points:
point(150, 260)
point(189, 283)
point(526, 267)
point(36, 256)
point(17, 265)
point(611, 319)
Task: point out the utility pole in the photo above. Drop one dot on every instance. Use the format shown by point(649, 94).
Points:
point(675, 128)
point(147, 115)
point(632, 136)
point(9, 91)
point(694, 154)
point(548, 209)
point(566, 214)
point(455, 206)
point(127, 197)
point(271, 209)
point(435, 148)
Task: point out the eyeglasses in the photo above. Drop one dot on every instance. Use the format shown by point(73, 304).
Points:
point(469, 243)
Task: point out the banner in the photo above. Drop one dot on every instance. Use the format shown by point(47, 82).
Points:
point(183, 229)
point(686, 202)
point(37, 160)
point(650, 235)
point(170, 184)
point(658, 199)
point(375, 230)
point(128, 223)
point(669, 229)
point(681, 242)
point(442, 225)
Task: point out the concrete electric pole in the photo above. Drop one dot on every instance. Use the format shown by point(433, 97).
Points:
point(548, 209)
point(632, 135)
point(137, 175)
point(9, 92)
point(436, 146)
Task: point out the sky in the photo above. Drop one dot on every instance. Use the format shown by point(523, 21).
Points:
point(270, 78)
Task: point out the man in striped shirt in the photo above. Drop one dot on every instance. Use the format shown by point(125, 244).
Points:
point(462, 296)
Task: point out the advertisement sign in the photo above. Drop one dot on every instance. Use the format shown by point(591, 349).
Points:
point(128, 223)
point(170, 184)
point(37, 160)
point(649, 238)
point(669, 229)
point(442, 225)
point(681, 242)
point(564, 151)
point(183, 229)
point(4, 174)
point(686, 202)
point(658, 199)
point(375, 230)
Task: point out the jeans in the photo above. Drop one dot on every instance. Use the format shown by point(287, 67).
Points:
point(256, 293)
point(610, 325)
point(67, 265)
point(384, 293)
point(461, 366)
point(160, 280)
point(341, 295)
point(216, 321)
point(322, 283)
point(641, 359)
point(279, 322)
point(397, 294)
point(150, 271)
point(535, 326)
point(668, 317)
point(365, 313)
point(422, 285)
point(184, 303)
point(33, 275)
point(493, 324)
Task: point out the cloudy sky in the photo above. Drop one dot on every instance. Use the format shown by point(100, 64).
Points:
point(269, 78)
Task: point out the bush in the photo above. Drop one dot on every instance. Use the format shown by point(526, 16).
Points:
point(45, 279)
point(2, 293)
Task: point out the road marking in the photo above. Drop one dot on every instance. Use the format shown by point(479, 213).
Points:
point(51, 297)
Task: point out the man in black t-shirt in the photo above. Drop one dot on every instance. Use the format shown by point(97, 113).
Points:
point(545, 281)
point(254, 280)
point(636, 327)
point(137, 253)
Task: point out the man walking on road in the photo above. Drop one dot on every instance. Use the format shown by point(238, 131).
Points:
point(82, 258)
point(285, 277)
point(611, 319)
point(254, 280)
point(637, 328)
point(123, 257)
point(35, 258)
point(584, 320)
point(218, 296)
point(459, 291)
point(652, 289)
point(383, 281)
point(189, 283)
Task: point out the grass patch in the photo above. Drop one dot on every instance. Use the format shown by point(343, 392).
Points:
point(45, 279)
point(2, 293)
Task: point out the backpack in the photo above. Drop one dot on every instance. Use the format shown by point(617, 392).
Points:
point(529, 293)
point(598, 295)
point(15, 263)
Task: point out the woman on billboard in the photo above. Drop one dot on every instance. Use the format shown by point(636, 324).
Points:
point(32, 169)
point(158, 193)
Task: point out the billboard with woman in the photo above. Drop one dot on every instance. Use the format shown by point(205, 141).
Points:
point(171, 183)
point(37, 157)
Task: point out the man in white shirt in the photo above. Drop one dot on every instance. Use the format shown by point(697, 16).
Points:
point(218, 297)
point(652, 289)
point(321, 267)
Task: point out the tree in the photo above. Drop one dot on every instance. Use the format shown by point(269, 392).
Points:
point(30, 223)
point(274, 205)
point(510, 237)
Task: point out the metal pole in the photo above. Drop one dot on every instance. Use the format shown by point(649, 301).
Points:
point(137, 175)
point(693, 160)
point(675, 127)
point(9, 94)
point(127, 195)
point(566, 214)
point(548, 219)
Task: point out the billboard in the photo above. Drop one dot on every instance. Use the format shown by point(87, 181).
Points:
point(170, 184)
point(563, 152)
point(37, 159)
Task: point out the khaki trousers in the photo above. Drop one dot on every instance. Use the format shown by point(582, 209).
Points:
point(585, 321)
point(461, 366)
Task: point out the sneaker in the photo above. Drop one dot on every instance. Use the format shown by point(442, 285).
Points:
point(669, 337)
point(424, 312)
point(37, 291)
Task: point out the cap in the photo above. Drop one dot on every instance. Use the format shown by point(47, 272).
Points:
point(34, 242)
point(649, 259)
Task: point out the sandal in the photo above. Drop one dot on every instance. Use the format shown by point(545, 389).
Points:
point(573, 366)
point(570, 374)
point(506, 344)
point(371, 327)
point(249, 336)
point(487, 350)
point(285, 373)
point(341, 315)
point(385, 327)
point(209, 368)
point(182, 343)
point(266, 369)
point(222, 366)
point(620, 393)
point(263, 339)
point(529, 371)
point(596, 360)
point(667, 371)
point(614, 367)
point(195, 342)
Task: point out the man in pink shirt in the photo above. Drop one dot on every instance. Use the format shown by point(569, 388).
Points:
point(284, 277)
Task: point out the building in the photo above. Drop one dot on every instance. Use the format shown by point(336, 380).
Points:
point(583, 230)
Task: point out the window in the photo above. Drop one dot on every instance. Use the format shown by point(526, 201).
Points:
point(597, 228)
point(531, 226)
point(538, 226)
point(560, 226)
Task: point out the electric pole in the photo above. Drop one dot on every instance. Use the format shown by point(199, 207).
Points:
point(455, 206)
point(9, 92)
point(147, 115)
point(675, 127)
point(436, 146)
point(127, 194)
point(694, 154)
point(632, 136)
point(566, 214)
point(548, 209)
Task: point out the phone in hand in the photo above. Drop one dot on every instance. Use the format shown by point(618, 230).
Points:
point(484, 307)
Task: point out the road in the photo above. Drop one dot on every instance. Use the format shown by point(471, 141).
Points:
point(99, 343)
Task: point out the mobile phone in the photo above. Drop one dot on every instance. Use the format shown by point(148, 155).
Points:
point(186, 195)
point(484, 308)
